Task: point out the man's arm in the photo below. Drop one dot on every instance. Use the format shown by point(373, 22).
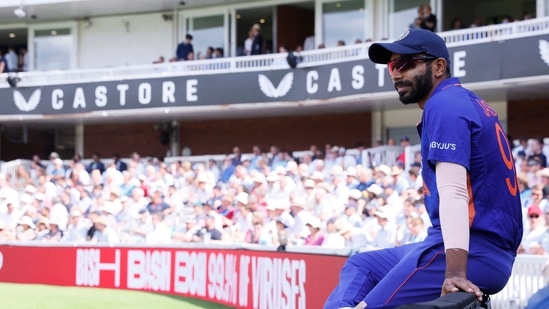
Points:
point(454, 222)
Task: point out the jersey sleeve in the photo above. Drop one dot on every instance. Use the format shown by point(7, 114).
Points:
point(449, 134)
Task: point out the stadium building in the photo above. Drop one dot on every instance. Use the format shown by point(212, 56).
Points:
point(89, 83)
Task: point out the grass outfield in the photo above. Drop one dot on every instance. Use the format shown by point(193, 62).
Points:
point(30, 296)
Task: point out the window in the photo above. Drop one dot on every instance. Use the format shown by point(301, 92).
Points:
point(343, 20)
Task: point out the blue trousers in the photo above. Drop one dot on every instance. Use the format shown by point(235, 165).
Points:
point(392, 277)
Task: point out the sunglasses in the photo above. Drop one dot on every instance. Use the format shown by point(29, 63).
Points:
point(406, 63)
point(533, 216)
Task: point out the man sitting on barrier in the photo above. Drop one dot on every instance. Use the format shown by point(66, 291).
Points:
point(470, 191)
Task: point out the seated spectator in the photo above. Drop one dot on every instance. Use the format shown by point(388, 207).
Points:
point(104, 234)
point(159, 60)
point(27, 232)
point(415, 231)
point(536, 151)
point(54, 234)
point(533, 234)
point(316, 237)
point(333, 238)
point(456, 24)
point(77, 227)
point(215, 234)
point(261, 234)
point(386, 234)
point(218, 53)
point(157, 203)
point(354, 237)
point(96, 164)
point(5, 234)
point(160, 233)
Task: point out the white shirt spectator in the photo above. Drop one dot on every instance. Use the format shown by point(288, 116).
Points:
point(107, 236)
point(333, 241)
point(11, 60)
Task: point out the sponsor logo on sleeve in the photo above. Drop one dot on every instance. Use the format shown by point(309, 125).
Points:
point(442, 146)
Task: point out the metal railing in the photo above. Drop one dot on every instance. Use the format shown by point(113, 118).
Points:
point(379, 155)
point(526, 279)
point(270, 61)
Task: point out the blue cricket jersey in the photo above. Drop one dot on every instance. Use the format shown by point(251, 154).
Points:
point(459, 127)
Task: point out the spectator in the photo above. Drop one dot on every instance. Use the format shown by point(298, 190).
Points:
point(316, 237)
point(27, 231)
point(333, 238)
point(247, 51)
point(218, 53)
point(477, 22)
point(157, 203)
point(354, 237)
point(23, 59)
point(536, 151)
point(159, 60)
point(96, 164)
point(118, 163)
point(185, 49)
point(11, 59)
point(54, 234)
point(104, 234)
point(363, 157)
point(5, 234)
point(456, 24)
point(343, 159)
point(416, 24)
point(429, 20)
point(416, 231)
point(386, 233)
point(404, 142)
point(77, 227)
point(3, 64)
point(257, 43)
point(160, 233)
point(309, 43)
point(533, 234)
point(190, 233)
point(210, 228)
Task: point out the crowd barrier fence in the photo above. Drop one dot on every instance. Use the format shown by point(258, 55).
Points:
point(240, 276)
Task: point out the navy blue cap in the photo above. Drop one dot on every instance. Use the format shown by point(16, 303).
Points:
point(413, 41)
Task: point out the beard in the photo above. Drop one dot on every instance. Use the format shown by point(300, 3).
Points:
point(420, 87)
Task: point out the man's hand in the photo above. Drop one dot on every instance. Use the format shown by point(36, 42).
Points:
point(456, 274)
point(456, 284)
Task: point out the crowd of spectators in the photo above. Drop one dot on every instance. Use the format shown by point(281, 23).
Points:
point(327, 198)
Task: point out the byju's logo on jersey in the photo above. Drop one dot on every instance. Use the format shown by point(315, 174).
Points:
point(269, 89)
point(25, 105)
point(544, 50)
point(443, 146)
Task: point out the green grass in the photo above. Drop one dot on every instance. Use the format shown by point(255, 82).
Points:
point(30, 296)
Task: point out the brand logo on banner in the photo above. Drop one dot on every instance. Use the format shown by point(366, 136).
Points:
point(24, 105)
point(544, 51)
point(269, 89)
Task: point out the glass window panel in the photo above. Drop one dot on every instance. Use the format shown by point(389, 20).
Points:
point(343, 20)
point(52, 49)
point(207, 31)
point(403, 14)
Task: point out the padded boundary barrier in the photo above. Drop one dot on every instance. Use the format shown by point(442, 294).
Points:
point(248, 276)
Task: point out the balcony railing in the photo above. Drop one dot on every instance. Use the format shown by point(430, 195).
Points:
point(270, 61)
